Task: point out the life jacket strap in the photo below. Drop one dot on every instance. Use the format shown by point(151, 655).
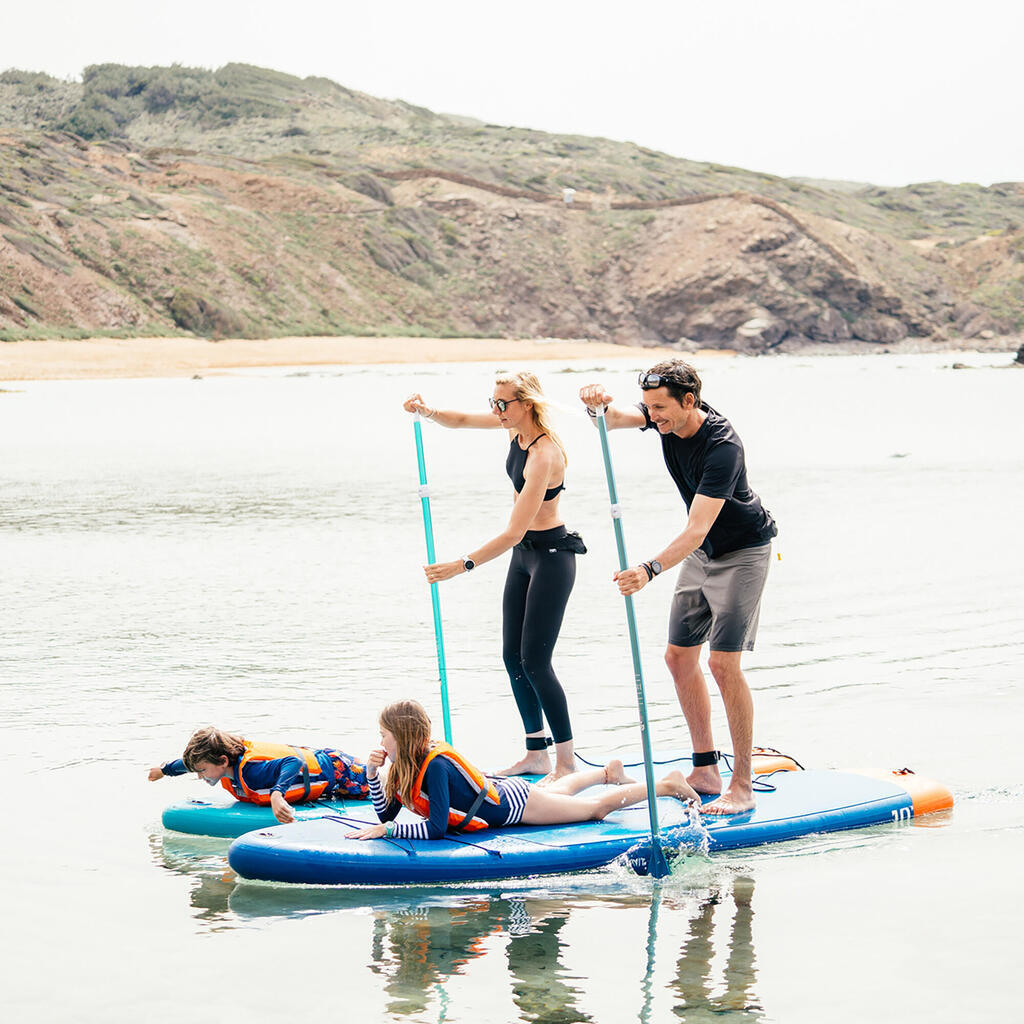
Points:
point(471, 813)
point(305, 772)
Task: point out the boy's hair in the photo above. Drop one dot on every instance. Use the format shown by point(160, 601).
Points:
point(210, 745)
point(408, 722)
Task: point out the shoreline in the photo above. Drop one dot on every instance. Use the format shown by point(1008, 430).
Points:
point(107, 358)
point(112, 358)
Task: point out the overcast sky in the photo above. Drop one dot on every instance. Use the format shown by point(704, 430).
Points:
point(889, 92)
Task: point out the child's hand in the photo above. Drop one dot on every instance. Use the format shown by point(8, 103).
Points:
point(370, 832)
point(376, 760)
point(281, 808)
point(156, 774)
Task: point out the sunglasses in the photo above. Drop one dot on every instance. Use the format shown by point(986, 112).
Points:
point(501, 404)
point(649, 381)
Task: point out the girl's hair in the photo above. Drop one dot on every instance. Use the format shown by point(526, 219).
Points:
point(210, 745)
point(527, 388)
point(408, 722)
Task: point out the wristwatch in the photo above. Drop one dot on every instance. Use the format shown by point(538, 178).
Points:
point(468, 564)
point(652, 568)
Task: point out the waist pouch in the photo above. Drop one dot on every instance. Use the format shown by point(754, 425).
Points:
point(572, 541)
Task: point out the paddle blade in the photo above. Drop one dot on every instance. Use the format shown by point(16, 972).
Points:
point(649, 858)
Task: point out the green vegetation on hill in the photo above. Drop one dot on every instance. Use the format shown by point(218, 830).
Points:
point(222, 201)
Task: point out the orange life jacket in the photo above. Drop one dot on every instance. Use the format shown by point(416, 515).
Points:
point(304, 790)
point(458, 821)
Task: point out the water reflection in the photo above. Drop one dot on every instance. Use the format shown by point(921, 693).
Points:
point(699, 991)
point(699, 956)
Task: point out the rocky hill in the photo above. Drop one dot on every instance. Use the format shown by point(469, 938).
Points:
point(247, 202)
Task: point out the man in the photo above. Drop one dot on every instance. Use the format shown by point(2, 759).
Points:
point(724, 550)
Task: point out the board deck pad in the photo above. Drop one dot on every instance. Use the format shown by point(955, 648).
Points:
point(316, 850)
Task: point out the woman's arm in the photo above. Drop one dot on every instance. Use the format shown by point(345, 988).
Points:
point(544, 459)
point(450, 417)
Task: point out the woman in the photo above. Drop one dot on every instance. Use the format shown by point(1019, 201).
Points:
point(542, 570)
point(439, 784)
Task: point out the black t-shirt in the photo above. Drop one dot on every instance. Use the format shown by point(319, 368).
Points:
point(712, 463)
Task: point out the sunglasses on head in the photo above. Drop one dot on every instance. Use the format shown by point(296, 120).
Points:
point(649, 381)
point(501, 404)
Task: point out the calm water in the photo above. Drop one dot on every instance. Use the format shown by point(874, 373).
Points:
point(245, 550)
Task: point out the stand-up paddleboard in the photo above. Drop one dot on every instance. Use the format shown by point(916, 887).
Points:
point(228, 819)
point(800, 802)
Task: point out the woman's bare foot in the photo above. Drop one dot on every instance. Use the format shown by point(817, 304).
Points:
point(534, 762)
point(560, 771)
point(735, 800)
point(615, 774)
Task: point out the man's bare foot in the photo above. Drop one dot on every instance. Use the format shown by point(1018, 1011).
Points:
point(675, 784)
point(731, 802)
point(560, 771)
point(535, 762)
point(615, 774)
point(706, 780)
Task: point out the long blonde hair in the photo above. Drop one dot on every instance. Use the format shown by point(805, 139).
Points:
point(527, 388)
point(408, 722)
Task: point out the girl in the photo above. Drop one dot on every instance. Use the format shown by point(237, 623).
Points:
point(542, 570)
point(268, 773)
point(440, 785)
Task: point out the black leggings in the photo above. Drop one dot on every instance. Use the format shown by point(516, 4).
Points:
point(537, 589)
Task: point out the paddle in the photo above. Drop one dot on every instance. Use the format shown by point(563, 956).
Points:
point(428, 528)
point(658, 865)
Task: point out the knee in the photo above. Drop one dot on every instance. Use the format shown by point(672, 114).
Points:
point(514, 664)
point(681, 662)
point(725, 667)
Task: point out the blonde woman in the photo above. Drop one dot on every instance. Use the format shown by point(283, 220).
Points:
point(542, 570)
point(442, 787)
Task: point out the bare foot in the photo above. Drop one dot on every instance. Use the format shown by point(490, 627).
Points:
point(675, 784)
point(706, 780)
point(535, 762)
point(560, 771)
point(731, 802)
point(615, 774)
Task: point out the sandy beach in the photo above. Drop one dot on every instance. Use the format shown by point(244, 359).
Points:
point(184, 357)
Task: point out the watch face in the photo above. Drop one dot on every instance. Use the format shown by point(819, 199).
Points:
point(656, 566)
point(469, 564)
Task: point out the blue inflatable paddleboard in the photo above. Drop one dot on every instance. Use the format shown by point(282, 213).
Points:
point(801, 802)
point(228, 819)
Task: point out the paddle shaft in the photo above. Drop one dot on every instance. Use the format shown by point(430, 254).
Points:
point(435, 597)
point(658, 861)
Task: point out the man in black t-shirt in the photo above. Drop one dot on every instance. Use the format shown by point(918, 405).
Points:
point(724, 552)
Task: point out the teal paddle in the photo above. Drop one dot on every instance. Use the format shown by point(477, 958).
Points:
point(428, 528)
point(658, 865)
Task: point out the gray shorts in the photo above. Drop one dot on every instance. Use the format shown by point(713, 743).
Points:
point(719, 599)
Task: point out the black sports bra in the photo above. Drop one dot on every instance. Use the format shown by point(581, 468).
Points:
point(516, 463)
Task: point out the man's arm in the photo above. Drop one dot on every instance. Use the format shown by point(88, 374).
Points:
point(703, 513)
point(594, 396)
